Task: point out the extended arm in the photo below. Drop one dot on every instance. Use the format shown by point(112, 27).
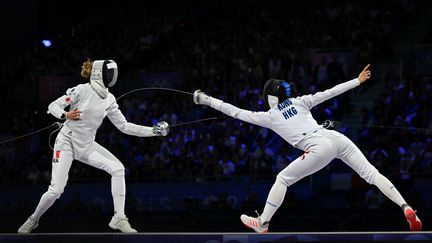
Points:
point(118, 119)
point(257, 118)
point(319, 97)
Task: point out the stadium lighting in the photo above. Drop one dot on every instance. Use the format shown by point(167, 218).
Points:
point(46, 43)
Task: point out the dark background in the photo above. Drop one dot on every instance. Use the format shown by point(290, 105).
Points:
point(202, 176)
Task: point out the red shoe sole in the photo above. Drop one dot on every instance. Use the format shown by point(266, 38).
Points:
point(414, 222)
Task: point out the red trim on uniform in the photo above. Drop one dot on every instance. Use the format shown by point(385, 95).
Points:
point(304, 155)
point(68, 99)
point(57, 154)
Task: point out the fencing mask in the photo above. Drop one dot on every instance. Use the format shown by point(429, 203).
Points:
point(103, 75)
point(276, 91)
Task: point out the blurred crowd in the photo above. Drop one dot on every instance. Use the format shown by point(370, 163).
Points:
point(228, 51)
point(397, 151)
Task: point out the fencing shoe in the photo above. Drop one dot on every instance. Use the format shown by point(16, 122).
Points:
point(255, 223)
point(120, 222)
point(411, 216)
point(29, 225)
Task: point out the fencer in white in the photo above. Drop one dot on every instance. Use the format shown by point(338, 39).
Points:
point(76, 141)
point(290, 117)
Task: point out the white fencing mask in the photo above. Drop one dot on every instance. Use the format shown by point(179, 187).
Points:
point(103, 75)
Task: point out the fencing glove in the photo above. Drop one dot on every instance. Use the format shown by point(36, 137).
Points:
point(161, 129)
point(201, 98)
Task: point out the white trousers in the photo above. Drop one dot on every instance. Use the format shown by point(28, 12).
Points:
point(321, 147)
point(96, 156)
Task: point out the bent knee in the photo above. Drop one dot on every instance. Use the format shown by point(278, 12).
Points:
point(284, 180)
point(55, 192)
point(120, 172)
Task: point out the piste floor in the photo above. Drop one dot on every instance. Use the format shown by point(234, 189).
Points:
point(358, 237)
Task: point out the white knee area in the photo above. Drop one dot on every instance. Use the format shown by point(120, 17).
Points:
point(54, 193)
point(118, 173)
point(47, 200)
point(280, 182)
point(281, 179)
point(379, 179)
point(370, 177)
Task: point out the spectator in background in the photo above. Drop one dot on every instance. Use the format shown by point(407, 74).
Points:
point(320, 73)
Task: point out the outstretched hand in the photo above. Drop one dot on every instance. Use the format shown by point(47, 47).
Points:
point(365, 74)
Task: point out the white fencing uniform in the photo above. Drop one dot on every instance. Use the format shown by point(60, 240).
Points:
point(94, 109)
point(293, 121)
point(76, 141)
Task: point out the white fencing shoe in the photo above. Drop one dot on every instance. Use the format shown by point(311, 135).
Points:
point(120, 222)
point(254, 223)
point(29, 225)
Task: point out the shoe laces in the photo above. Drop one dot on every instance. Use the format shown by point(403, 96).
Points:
point(258, 219)
point(31, 220)
point(262, 224)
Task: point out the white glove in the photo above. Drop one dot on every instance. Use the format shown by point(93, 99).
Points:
point(201, 98)
point(161, 129)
